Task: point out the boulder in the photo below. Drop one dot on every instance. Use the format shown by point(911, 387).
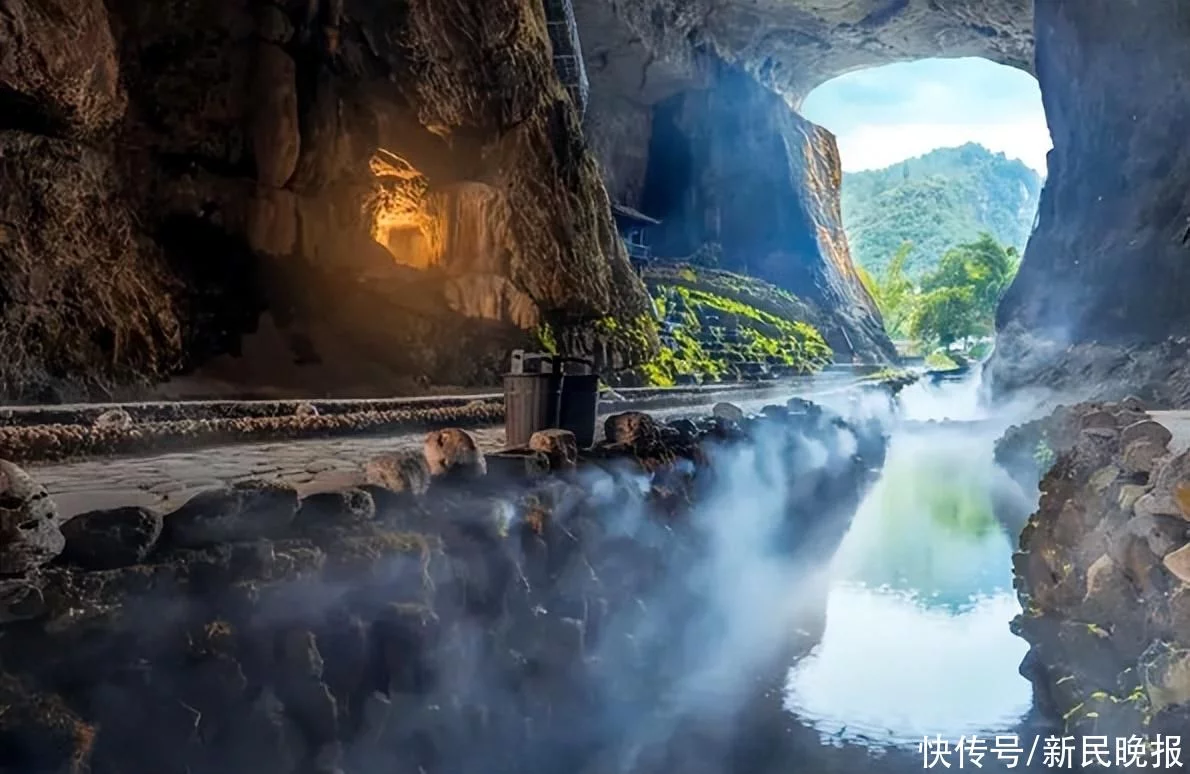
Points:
point(728, 411)
point(779, 413)
point(686, 429)
point(1097, 418)
point(29, 534)
point(1164, 534)
point(345, 506)
point(1141, 456)
point(1104, 477)
point(305, 409)
point(244, 511)
point(1146, 430)
point(559, 446)
point(1166, 671)
point(1132, 403)
point(1099, 575)
point(399, 472)
point(803, 406)
point(1170, 491)
point(1096, 446)
point(108, 539)
point(1124, 417)
point(1178, 563)
point(21, 599)
point(1129, 494)
point(1171, 471)
point(630, 428)
point(519, 464)
point(114, 419)
point(453, 451)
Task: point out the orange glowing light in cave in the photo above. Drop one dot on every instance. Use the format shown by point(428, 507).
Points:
point(400, 220)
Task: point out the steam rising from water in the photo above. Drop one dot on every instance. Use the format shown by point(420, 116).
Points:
point(917, 640)
point(752, 585)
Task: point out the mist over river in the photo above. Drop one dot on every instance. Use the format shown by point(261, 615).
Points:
point(916, 640)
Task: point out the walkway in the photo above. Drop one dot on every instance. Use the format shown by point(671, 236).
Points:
point(165, 481)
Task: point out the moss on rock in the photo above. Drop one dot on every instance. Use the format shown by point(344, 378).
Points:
point(715, 322)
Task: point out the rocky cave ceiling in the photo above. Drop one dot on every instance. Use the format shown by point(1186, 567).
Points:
point(648, 49)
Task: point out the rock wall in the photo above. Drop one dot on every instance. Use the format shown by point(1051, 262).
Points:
point(391, 182)
point(735, 166)
point(1103, 571)
point(455, 614)
point(1103, 280)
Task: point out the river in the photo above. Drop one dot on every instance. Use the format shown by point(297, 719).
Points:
point(916, 641)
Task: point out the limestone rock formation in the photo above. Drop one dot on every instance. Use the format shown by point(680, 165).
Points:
point(630, 428)
point(106, 540)
point(691, 119)
point(452, 632)
point(1100, 285)
point(453, 452)
point(1102, 575)
point(734, 166)
point(237, 512)
point(389, 193)
point(331, 510)
point(559, 446)
point(402, 472)
point(29, 533)
point(179, 181)
point(1103, 280)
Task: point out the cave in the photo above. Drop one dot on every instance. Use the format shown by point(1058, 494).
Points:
point(1096, 292)
point(332, 202)
point(691, 115)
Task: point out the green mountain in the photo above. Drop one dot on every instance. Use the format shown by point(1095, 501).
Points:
point(936, 201)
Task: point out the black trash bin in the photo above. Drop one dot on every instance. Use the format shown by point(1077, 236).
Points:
point(540, 394)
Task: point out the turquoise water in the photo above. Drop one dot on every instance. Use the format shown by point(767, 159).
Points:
point(916, 639)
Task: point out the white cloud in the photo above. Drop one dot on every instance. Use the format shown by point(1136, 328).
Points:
point(883, 115)
point(873, 146)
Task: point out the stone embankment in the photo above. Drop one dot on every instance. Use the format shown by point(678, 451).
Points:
point(457, 612)
point(55, 433)
point(1103, 570)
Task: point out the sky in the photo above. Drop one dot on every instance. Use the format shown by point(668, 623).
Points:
point(883, 115)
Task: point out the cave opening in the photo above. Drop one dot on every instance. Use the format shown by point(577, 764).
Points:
point(941, 159)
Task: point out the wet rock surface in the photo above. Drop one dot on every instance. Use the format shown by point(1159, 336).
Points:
point(29, 534)
point(1102, 570)
point(468, 627)
point(106, 540)
point(298, 143)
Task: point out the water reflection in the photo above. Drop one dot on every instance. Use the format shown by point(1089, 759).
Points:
point(917, 640)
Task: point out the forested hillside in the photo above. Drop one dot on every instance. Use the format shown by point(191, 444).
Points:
point(936, 201)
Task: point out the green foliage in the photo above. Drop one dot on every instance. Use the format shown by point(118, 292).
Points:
point(945, 197)
point(1043, 455)
point(959, 297)
point(944, 315)
point(702, 307)
point(893, 291)
point(941, 361)
point(636, 337)
point(956, 300)
point(980, 350)
point(545, 337)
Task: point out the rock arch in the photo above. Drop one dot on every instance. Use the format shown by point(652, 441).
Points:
point(1108, 266)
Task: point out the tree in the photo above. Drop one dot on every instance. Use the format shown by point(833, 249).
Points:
point(960, 296)
point(990, 268)
point(893, 291)
point(945, 315)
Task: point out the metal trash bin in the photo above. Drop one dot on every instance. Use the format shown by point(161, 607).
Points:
point(539, 394)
